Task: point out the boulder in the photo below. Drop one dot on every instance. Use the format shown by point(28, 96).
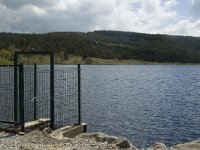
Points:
point(195, 145)
point(124, 144)
point(158, 146)
point(103, 138)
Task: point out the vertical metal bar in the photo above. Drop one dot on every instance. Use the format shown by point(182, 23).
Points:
point(52, 89)
point(15, 87)
point(21, 96)
point(79, 94)
point(35, 91)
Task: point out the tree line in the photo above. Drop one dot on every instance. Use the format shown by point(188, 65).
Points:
point(106, 45)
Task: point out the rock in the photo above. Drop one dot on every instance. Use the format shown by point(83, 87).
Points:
point(107, 140)
point(124, 144)
point(24, 148)
point(100, 137)
point(47, 131)
point(93, 144)
point(158, 146)
point(195, 145)
point(21, 133)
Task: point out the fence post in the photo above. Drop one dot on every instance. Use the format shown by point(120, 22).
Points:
point(21, 96)
point(35, 90)
point(79, 94)
point(15, 88)
point(52, 89)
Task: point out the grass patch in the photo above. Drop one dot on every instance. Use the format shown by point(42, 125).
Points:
point(96, 61)
point(4, 61)
point(45, 59)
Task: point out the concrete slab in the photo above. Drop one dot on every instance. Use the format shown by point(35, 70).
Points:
point(69, 131)
point(37, 123)
point(75, 130)
point(28, 125)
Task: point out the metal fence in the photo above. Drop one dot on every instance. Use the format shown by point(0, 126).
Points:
point(34, 95)
point(6, 95)
point(66, 95)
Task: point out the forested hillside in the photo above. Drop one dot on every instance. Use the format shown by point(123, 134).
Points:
point(106, 45)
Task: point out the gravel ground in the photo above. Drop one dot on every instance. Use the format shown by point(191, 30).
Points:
point(44, 140)
point(37, 140)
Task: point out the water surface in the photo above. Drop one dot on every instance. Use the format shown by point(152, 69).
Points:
point(144, 103)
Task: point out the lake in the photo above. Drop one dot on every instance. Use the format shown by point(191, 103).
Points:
point(143, 103)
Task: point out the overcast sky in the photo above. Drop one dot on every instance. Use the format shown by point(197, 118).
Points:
point(181, 17)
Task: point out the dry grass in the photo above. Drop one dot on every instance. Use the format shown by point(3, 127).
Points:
point(39, 59)
point(79, 60)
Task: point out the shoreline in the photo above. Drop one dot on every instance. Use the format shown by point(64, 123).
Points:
point(54, 140)
point(100, 61)
point(91, 61)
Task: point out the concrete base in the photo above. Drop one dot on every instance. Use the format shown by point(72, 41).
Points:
point(28, 125)
point(37, 123)
point(70, 131)
point(76, 130)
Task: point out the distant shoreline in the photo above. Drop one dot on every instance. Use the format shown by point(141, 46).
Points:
point(91, 61)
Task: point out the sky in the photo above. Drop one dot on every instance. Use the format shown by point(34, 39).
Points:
point(175, 17)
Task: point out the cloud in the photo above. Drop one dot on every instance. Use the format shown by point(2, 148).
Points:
point(150, 16)
point(184, 27)
point(170, 4)
point(195, 8)
point(16, 4)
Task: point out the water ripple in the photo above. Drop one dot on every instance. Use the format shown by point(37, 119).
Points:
point(145, 104)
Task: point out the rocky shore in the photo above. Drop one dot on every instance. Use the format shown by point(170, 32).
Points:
point(44, 140)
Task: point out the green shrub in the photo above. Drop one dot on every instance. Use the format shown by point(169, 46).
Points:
point(5, 54)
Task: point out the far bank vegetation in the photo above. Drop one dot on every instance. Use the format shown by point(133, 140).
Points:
point(102, 47)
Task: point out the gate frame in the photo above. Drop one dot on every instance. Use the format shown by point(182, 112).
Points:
point(16, 94)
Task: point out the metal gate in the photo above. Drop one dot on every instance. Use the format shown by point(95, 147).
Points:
point(40, 92)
